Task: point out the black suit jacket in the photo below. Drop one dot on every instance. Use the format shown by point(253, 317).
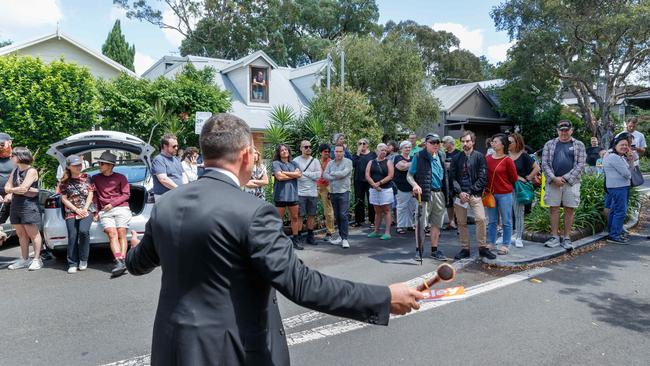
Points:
point(223, 253)
point(477, 172)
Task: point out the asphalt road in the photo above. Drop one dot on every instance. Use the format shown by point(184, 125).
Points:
point(592, 309)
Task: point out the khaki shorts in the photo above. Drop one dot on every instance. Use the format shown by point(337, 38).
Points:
point(566, 196)
point(436, 210)
point(116, 217)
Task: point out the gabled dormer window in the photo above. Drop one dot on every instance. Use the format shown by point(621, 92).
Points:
point(259, 84)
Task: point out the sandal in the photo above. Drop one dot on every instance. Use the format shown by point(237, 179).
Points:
point(400, 230)
point(503, 251)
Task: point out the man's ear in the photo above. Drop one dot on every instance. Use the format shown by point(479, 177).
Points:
point(247, 155)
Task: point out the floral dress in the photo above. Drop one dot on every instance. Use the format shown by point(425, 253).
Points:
point(77, 191)
point(257, 174)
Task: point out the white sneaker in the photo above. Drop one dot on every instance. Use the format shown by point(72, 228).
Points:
point(21, 263)
point(519, 243)
point(345, 243)
point(83, 265)
point(72, 269)
point(37, 264)
point(336, 241)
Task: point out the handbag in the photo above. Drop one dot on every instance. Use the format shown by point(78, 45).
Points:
point(524, 192)
point(31, 191)
point(637, 177)
point(488, 197)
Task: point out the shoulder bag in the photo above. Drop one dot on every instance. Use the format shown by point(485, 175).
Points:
point(637, 177)
point(488, 197)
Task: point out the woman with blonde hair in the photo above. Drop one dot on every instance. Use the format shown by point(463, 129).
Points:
point(259, 178)
point(379, 174)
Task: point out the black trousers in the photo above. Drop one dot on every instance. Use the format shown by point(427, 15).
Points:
point(361, 202)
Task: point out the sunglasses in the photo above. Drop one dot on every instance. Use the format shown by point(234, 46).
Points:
point(306, 147)
point(362, 143)
point(175, 147)
point(434, 142)
point(103, 163)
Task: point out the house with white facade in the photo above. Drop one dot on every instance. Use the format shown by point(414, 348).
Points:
point(255, 82)
point(58, 45)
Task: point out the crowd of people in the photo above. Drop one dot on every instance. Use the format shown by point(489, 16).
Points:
point(387, 182)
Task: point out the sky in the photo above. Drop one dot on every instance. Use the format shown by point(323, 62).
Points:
point(90, 21)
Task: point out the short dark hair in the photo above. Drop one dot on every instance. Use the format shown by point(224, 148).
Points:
point(223, 136)
point(164, 140)
point(23, 155)
point(276, 156)
point(189, 152)
point(632, 119)
point(323, 147)
point(393, 143)
point(469, 133)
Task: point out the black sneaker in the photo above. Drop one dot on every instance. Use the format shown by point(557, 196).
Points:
point(328, 237)
point(438, 255)
point(310, 238)
point(486, 253)
point(464, 253)
point(119, 268)
point(620, 240)
point(296, 243)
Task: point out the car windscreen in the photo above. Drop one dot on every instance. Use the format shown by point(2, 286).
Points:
point(133, 173)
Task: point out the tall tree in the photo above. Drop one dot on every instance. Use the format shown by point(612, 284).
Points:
point(117, 49)
point(390, 72)
point(292, 32)
point(5, 43)
point(593, 46)
point(443, 62)
point(487, 69)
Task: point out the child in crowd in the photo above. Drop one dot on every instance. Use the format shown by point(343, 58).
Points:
point(599, 162)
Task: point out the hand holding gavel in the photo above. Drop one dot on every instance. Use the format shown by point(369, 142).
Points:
point(444, 273)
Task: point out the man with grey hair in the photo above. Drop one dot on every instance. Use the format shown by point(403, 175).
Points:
point(223, 254)
point(6, 166)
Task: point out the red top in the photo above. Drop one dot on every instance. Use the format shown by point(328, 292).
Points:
point(322, 182)
point(505, 177)
point(113, 189)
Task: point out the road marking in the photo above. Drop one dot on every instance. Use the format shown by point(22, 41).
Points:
point(346, 326)
point(350, 325)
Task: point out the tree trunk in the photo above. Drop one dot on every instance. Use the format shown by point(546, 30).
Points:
point(606, 128)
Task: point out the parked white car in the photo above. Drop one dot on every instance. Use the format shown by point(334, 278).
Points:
point(137, 171)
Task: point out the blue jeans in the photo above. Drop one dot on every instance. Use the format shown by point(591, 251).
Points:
point(504, 207)
point(617, 209)
point(341, 206)
point(78, 239)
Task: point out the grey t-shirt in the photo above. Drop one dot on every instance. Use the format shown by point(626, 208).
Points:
point(6, 166)
point(169, 165)
point(563, 158)
point(310, 173)
point(285, 190)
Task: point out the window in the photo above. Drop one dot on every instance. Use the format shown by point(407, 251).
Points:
point(259, 84)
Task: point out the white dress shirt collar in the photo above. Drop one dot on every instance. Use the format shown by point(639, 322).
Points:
point(227, 173)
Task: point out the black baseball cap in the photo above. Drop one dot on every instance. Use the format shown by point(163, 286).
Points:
point(564, 125)
point(432, 137)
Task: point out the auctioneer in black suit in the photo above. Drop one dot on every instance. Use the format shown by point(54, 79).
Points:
point(223, 253)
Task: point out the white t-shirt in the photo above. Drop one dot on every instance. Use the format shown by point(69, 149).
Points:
point(310, 173)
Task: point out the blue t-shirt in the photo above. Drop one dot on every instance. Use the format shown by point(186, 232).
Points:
point(437, 171)
point(169, 165)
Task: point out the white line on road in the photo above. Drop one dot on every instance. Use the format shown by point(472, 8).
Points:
point(346, 326)
point(350, 325)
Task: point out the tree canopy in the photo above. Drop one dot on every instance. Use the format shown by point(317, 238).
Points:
point(594, 47)
point(118, 49)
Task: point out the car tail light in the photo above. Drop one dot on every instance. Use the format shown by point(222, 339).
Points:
point(53, 202)
point(151, 198)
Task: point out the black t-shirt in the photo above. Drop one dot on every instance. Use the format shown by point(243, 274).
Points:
point(360, 164)
point(593, 154)
point(524, 165)
point(400, 176)
point(6, 166)
point(452, 155)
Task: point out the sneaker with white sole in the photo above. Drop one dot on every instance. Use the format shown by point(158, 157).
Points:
point(21, 263)
point(553, 242)
point(83, 265)
point(345, 243)
point(519, 243)
point(336, 241)
point(72, 269)
point(37, 264)
point(566, 244)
